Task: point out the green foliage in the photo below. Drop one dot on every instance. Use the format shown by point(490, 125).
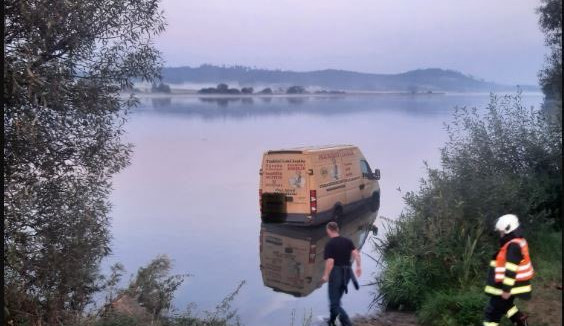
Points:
point(223, 315)
point(506, 158)
point(116, 319)
point(65, 63)
point(550, 76)
point(295, 90)
point(160, 88)
point(147, 301)
point(222, 89)
point(550, 21)
point(545, 248)
point(153, 287)
point(462, 308)
point(401, 283)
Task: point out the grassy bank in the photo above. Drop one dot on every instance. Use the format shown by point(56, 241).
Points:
point(504, 159)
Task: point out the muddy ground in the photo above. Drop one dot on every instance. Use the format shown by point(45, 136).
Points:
point(392, 318)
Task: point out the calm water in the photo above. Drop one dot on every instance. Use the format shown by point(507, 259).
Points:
point(191, 191)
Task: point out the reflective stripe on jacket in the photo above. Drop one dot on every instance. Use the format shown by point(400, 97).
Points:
point(511, 270)
point(524, 270)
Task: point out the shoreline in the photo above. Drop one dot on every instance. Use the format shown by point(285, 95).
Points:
point(195, 94)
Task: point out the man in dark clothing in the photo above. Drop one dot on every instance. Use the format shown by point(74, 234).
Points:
point(338, 271)
point(509, 274)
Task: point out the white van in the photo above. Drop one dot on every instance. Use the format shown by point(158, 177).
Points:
point(312, 185)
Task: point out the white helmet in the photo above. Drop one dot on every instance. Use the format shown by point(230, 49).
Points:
point(507, 223)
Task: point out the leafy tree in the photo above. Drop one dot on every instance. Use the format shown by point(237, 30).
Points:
point(267, 90)
point(153, 287)
point(222, 88)
point(160, 88)
point(295, 90)
point(65, 63)
point(550, 77)
point(247, 90)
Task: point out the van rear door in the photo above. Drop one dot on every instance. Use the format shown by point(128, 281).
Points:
point(284, 183)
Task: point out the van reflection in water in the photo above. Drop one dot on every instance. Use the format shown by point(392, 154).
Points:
point(291, 257)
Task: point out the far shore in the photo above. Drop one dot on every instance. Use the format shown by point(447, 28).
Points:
point(188, 93)
point(194, 93)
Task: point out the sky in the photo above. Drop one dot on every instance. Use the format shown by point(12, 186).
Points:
point(497, 40)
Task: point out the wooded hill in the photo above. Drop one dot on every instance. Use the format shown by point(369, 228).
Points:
point(421, 80)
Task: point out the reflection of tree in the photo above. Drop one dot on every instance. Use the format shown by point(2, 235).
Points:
point(247, 100)
point(318, 106)
point(161, 101)
point(296, 100)
point(220, 101)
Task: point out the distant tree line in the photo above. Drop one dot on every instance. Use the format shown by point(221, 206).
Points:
point(296, 89)
point(160, 88)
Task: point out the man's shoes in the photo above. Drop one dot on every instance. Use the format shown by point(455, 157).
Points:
point(521, 320)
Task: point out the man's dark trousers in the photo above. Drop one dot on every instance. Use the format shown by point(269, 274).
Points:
point(497, 307)
point(338, 280)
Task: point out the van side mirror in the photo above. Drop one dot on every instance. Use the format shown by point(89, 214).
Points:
point(377, 174)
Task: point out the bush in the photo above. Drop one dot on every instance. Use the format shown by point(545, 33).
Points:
point(546, 258)
point(453, 308)
point(296, 90)
point(506, 159)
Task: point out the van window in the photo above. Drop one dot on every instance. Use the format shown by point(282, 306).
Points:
point(365, 168)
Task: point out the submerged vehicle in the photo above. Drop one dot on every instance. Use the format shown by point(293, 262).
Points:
point(312, 185)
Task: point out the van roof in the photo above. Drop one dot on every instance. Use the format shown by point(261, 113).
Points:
point(309, 149)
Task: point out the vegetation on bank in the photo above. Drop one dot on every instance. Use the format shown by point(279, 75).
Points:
point(505, 158)
point(147, 300)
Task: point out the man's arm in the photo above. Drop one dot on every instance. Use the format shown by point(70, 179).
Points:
point(356, 257)
point(329, 263)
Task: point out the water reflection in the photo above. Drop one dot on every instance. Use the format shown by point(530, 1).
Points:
point(220, 101)
point(296, 100)
point(240, 107)
point(291, 257)
point(159, 102)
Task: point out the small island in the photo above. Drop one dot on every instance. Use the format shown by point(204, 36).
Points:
point(224, 89)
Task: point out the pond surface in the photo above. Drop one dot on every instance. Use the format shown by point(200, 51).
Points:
point(191, 191)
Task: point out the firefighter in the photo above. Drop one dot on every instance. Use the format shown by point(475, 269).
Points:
point(509, 274)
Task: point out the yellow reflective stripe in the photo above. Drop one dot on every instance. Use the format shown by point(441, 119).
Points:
point(492, 290)
point(509, 281)
point(490, 323)
point(492, 263)
point(512, 311)
point(524, 275)
point(512, 267)
point(524, 267)
point(521, 289)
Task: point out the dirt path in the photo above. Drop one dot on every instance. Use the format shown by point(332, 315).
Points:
point(545, 308)
point(392, 318)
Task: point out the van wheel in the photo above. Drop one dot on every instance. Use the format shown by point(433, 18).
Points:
point(375, 202)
